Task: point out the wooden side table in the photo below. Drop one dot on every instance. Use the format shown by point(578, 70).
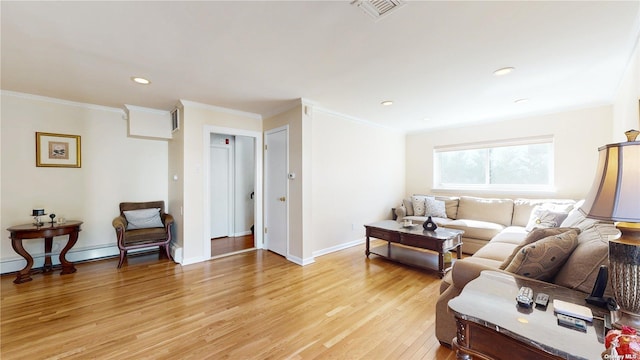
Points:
point(46, 231)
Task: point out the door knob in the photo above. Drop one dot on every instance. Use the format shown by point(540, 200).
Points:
point(282, 198)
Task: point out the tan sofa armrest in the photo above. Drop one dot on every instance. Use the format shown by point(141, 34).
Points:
point(401, 212)
point(465, 271)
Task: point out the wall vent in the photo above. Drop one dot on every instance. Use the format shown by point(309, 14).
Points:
point(377, 9)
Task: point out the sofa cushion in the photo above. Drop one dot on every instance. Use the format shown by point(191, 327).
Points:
point(581, 268)
point(418, 204)
point(531, 237)
point(545, 218)
point(522, 208)
point(511, 235)
point(434, 208)
point(476, 229)
point(497, 211)
point(496, 250)
point(542, 259)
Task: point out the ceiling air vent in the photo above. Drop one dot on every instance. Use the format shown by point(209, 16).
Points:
point(378, 9)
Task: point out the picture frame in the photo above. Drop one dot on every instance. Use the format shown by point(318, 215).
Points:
point(58, 150)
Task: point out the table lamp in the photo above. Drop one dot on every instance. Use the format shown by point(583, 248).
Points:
point(615, 196)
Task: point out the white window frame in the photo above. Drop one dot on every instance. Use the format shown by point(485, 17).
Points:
point(487, 186)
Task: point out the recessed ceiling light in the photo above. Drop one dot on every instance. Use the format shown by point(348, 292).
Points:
point(386, 103)
point(140, 80)
point(503, 71)
point(520, 101)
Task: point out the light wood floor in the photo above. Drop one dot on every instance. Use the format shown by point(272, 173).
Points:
point(254, 305)
point(226, 245)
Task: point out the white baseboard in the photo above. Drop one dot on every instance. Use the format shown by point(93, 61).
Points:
point(242, 233)
point(300, 261)
point(338, 247)
point(176, 252)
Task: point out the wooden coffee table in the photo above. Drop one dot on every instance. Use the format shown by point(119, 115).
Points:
point(407, 245)
point(487, 315)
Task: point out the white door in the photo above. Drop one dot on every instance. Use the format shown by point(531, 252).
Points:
point(276, 234)
point(220, 191)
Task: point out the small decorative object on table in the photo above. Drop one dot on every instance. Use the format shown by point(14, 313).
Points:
point(429, 224)
point(36, 213)
point(52, 216)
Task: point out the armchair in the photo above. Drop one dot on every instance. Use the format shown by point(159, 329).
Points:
point(139, 226)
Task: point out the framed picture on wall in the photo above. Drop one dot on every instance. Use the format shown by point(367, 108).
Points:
point(57, 150)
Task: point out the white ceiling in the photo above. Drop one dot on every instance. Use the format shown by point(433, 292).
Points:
point(434, 59)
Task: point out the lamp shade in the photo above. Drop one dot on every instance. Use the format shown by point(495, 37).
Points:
point(615, 194)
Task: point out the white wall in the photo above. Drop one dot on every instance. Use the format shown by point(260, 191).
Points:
point(577, 135)
point(196, 118)
point(358, 176)
point(300, 163)
point(626, 106)
point(115, 168)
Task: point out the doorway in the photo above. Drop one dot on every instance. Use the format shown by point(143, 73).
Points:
point(233, 191)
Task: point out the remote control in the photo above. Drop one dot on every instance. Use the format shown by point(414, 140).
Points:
point(525, 297)
point(572, 323)
point(542, 300)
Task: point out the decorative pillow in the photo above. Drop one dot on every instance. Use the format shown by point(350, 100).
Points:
point(533, 236)
point(434, 208)
point(408, 205)
point(545, 218)
point(581, 268)
point(542, 259)
point(418, 205)
point(143, 218)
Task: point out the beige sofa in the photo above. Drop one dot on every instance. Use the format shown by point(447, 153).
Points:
point(481, 218)
point(578, 271)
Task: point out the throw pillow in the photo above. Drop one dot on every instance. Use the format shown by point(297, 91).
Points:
point(542, 259)
point(435, 208)
point(418, 205)
point(545, 218)
point(143, 218)
point(408, 205)
point(533, 236)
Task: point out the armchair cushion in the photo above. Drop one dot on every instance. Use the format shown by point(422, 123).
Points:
point(143, 218)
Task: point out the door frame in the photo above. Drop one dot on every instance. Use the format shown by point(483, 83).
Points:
point(288, 199)
point(257, 204)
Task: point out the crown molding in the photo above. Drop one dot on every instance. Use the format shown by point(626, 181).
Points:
point(60, 101)
point(221, 109)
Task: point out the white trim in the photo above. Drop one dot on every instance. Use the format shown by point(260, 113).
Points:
point(357, 119)
point(338, 247)
point(60, 101)
point(221, 109)
point(176, 252)
point(242, 233)
point(257, 204)
point(147, 110)
point(300, 261)
point(543, 139)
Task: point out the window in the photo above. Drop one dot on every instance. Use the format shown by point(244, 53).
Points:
point(521, 164)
